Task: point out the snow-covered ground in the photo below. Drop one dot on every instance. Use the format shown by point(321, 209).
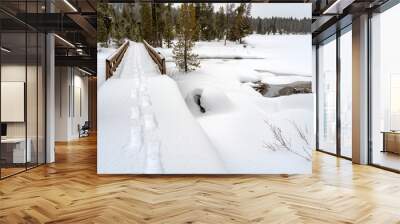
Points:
point(146, 118)
point(266, 55)
point(236, 115)
point(145, 126)
point(127, 135)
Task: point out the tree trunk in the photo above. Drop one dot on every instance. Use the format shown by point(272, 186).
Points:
point(227, 23)
point(225, 38)
point(185, 56)
point(154, 24)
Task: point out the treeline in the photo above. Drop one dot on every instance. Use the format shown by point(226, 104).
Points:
point(159, 23)
point(278, 25)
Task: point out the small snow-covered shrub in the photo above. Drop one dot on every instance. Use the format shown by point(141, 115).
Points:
point(184, 58)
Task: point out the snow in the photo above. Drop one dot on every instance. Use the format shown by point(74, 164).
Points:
point(128, 139)
point(236, 115)
point(186, 148)
point(240, 136)
point(119, 134)
point(235, 123)
point(138, 127)
point(149, 123)
point(290, 54)
point(287, 54)
point(215, 101)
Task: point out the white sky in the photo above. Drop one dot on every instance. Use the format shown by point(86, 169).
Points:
point(266, 10)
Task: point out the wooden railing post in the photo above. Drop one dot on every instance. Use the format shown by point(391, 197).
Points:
point(164, 67)
point(108, 69)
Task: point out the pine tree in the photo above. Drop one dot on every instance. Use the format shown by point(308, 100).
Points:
point(282, 25)
point(220, 23)
point(168, 29)
point(202, 21)
point(118, 27)
point(184, 58)
point(259, 26)
point(128, 22)
point(206, 21)
point(273, 26)
point(103, 23)
point(153, 25)
point(209, 29)
point(147, 22)
point(230, 15)
point(241, 26)
point(196, 34)
point(159, 23)
point(246, 26)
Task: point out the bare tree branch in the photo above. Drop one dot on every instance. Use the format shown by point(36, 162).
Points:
point(283, 143)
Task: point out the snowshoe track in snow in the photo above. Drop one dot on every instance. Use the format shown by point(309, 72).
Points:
point(142, 147)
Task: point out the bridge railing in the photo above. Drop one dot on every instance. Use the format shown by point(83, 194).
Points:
point(157, 57)
point(115, 59)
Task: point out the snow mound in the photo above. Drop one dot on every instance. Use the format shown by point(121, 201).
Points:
point(186, 148)
point(215, 101)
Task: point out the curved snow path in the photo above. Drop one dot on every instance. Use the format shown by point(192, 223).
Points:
point(137, 136)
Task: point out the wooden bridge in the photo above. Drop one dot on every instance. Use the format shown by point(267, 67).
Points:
point(114, 60)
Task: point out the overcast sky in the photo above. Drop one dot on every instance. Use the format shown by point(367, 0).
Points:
point(266, 10)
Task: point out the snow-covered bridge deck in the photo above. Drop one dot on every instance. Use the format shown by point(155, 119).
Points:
point(145, 126)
